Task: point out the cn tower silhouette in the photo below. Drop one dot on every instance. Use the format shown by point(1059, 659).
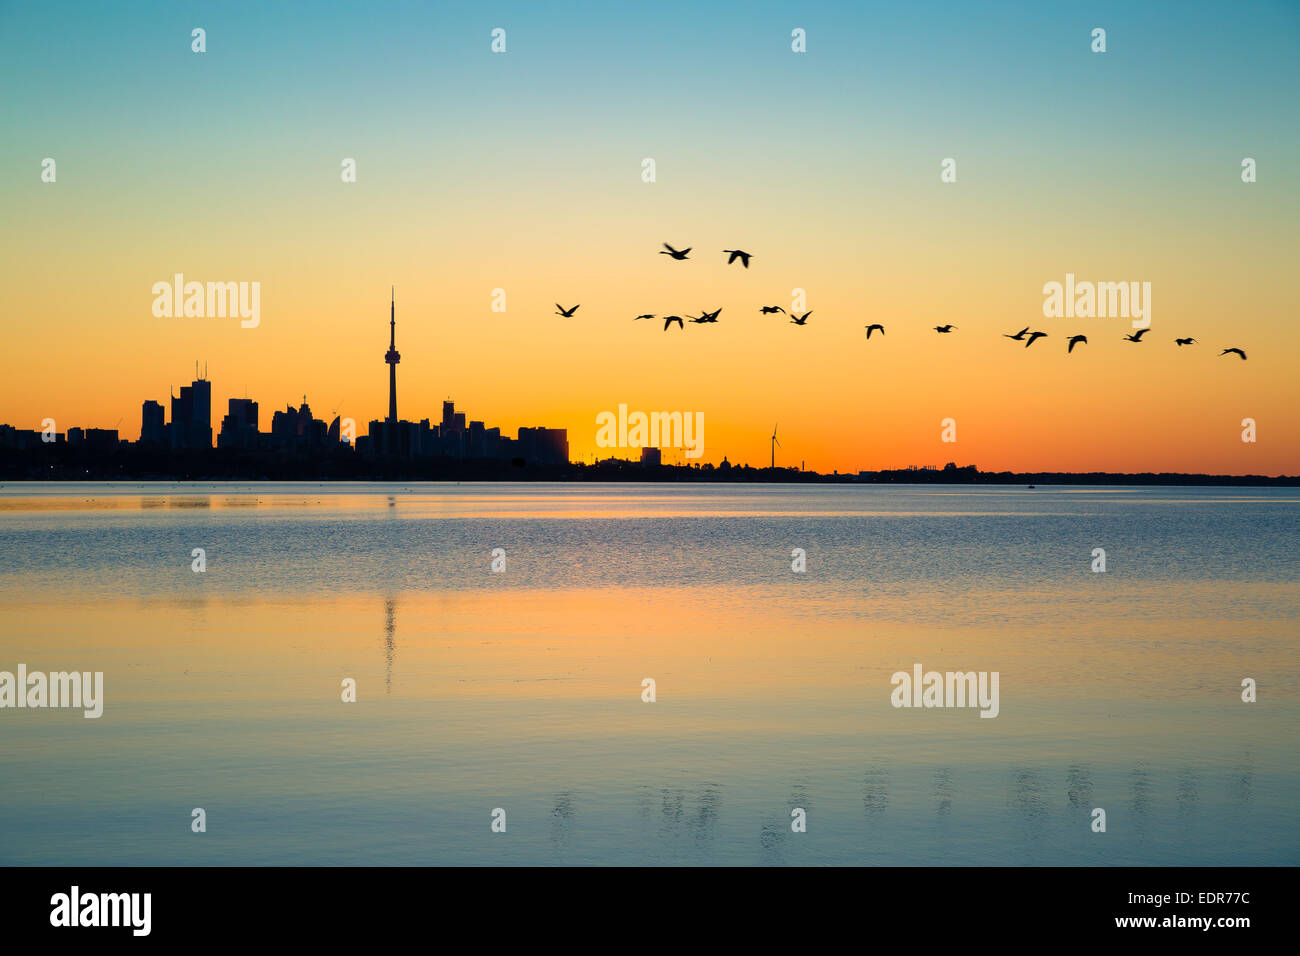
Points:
point(392, 357)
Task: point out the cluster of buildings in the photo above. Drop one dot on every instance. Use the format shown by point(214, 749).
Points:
point(190, 427)
point(26, 439)
point(452, 437)
point(298, 431)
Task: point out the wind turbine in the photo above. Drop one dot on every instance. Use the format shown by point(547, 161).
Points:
point(775, 445)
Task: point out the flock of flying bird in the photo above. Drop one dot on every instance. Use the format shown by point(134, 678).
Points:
point(1024, 335)
point(1029, 338)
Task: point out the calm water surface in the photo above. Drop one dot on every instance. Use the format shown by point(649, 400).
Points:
point(522, 689)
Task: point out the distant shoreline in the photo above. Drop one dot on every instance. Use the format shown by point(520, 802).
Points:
point(216, 466)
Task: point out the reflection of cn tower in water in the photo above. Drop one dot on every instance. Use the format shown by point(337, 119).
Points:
point(390, 645)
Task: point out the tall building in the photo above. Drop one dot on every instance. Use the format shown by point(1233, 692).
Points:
point(239, 427)
point(392, 357)
point(152, 427)
point(393, 434)
point(296, 429)
point(191, 424)
point(546, 446)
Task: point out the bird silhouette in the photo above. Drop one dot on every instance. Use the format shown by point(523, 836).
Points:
point(565, 312)
point(1234, 352)
point(675, 253)
point(670, 319)
point(710, 316)
point(1075, 340)
point(770, 309)
point(1018, 336)
point(1187, 341)
point(1136, 336)
point(801, 319)
point(737, 254)
point(944, 328)
point(645, 316)
point(1034, 337)
point(874, 327)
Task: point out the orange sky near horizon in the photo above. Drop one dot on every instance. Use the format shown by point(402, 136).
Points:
point(842, 403)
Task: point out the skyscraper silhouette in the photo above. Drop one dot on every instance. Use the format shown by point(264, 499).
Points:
point(152, 424)
point(392, 357)
point(191, 424)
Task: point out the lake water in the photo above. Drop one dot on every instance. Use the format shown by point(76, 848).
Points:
point(522, 689)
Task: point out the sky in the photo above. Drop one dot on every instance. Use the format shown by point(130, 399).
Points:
point(522, 171)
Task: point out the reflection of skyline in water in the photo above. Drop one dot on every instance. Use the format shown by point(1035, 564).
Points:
point(1139, 804)
point(771, 842)
point(943, 790)
point(1041, 812)
point(1029, 797)
point(562, 814)
point(1244, 779)
point(875, 792)
point(1078, 787)
point(1189, 786)
point(773, 687)
point(681, 817)
point(390, 641)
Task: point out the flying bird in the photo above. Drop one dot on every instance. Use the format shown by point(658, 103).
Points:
point(710, 316)
point(801, 319)
point(670, 319)
point(1018, 336)
point(567, 313)
point(1075, 340)
point(737, 254)
point(1234, 352)
point(646, 316)
point(1136, 336)
point(675, 253)
point(1187, 341)
point(1034, 337)
point(770, 309)
point(874, 327)
point(944, 328)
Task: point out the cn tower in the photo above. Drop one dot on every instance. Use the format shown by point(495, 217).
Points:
point(392, 357)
